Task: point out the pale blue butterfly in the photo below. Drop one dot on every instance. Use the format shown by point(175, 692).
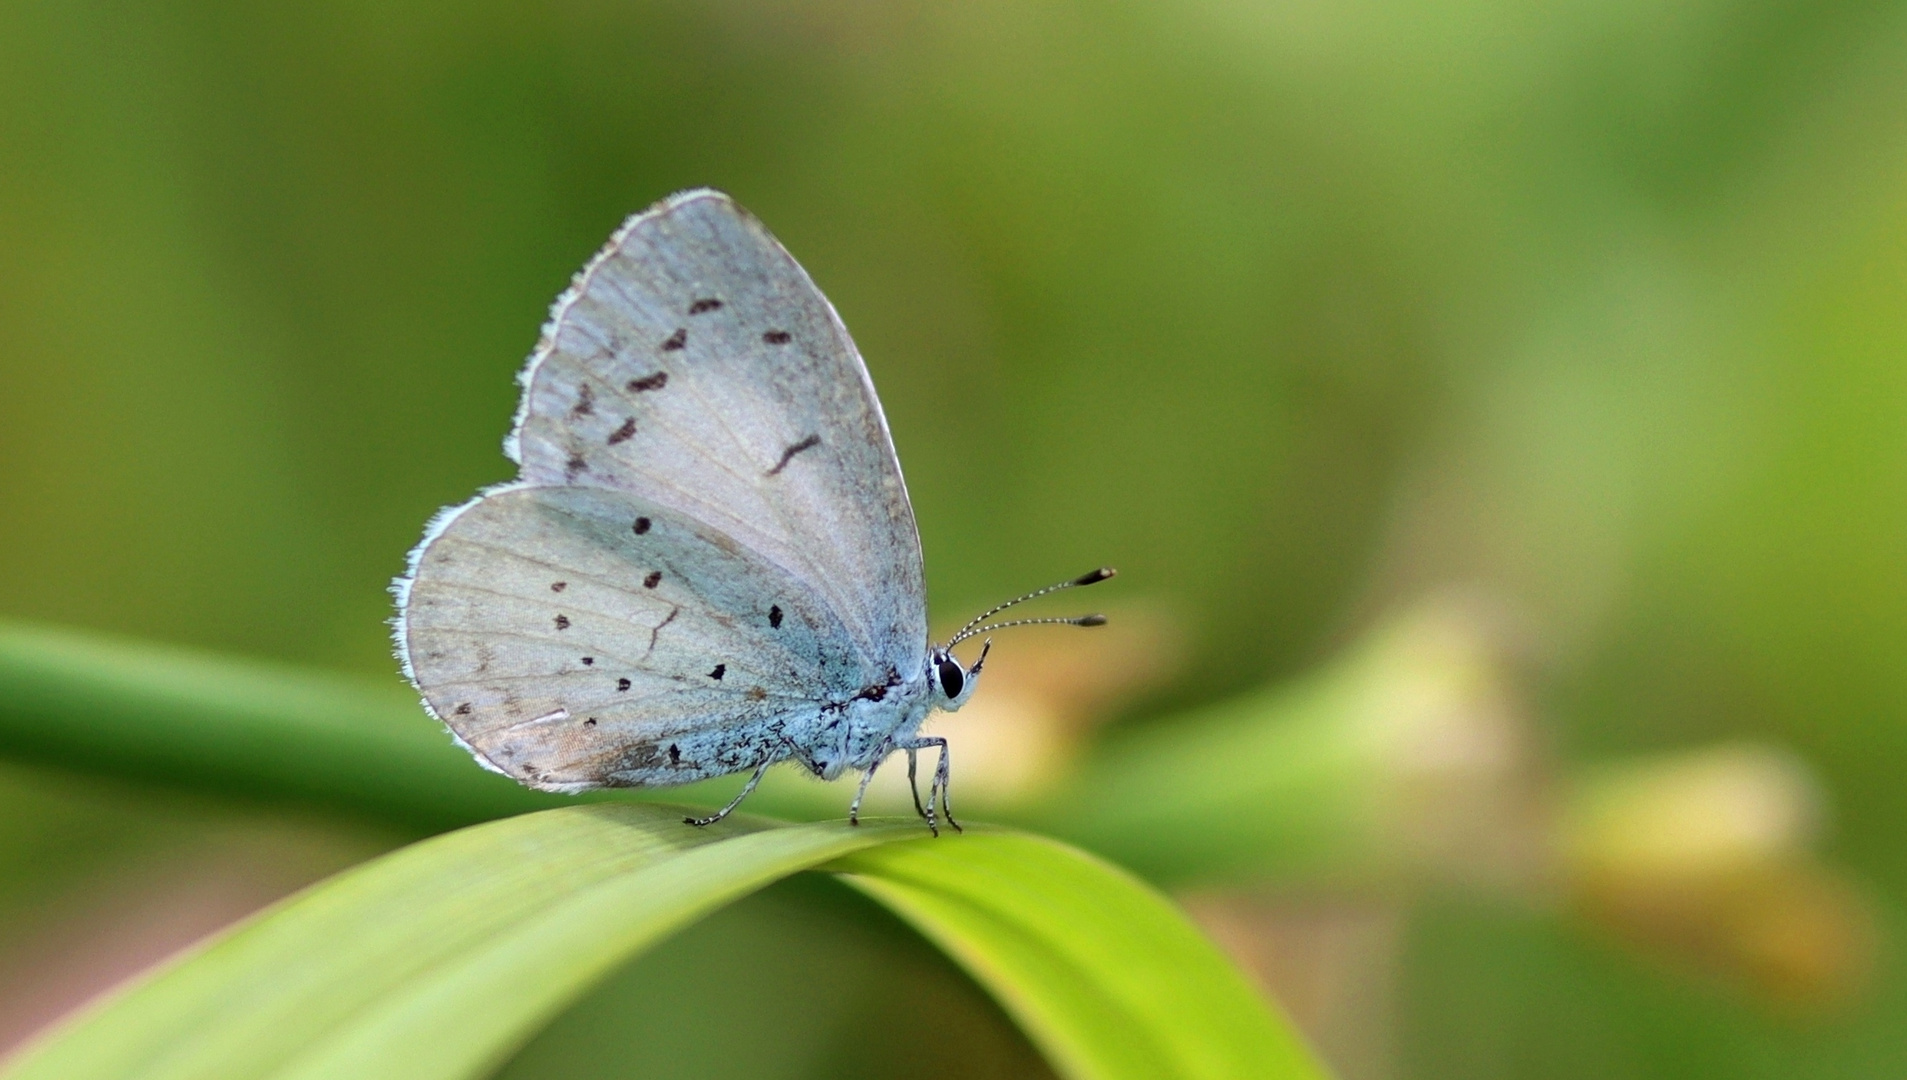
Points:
point(708, 562)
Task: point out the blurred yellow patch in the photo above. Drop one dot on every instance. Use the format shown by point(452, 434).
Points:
point(1708, 859)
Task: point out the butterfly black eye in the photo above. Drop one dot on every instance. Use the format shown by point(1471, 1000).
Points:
point(951, 678)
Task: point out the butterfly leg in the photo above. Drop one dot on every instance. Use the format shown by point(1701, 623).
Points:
point(854, 808)
point(943, 777)
point(760, 771)
point(912, 785)
point(937, 791)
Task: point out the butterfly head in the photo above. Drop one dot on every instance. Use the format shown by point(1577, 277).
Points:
point(954, 684)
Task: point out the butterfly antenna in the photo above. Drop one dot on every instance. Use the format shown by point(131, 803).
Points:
point(979, 625)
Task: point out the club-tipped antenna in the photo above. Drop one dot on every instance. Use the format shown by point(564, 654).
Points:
point(1076, 620)
point(979, 625)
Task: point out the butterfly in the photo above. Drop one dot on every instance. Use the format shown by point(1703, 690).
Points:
point(708, 562)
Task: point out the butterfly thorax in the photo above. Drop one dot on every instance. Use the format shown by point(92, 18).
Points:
point(856, 733)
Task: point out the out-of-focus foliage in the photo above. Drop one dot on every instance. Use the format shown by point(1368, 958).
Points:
point(1293, 312)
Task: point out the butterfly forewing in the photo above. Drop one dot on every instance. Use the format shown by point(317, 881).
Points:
point(576, 637)
point(695, 365)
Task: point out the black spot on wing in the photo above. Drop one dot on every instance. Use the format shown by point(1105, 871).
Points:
point(676, 340)
point(788, 455)
point(774, 616)
point(653, 579)
point(574, 466)
point(589, 661)
point(777, 337)
point(706, 304)
point(650, 382)
point(591, 722)
point(720, 670)
point(622, 684)
point(641, 526)
point(585, 401)
point(558, 586)
point(627, 429)
point(675, 754)
point(562, 622)
point(463, 710)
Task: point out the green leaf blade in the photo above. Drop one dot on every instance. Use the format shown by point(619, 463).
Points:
point(440, 960)
point(1103, 973)
point(467, 1016)
point(437, 960)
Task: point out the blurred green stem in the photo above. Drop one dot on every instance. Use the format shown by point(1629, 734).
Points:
point(174, 716)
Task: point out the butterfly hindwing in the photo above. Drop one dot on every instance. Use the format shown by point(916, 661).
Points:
point(578, 637)
point(694, 364)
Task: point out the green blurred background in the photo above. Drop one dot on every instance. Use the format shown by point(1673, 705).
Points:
point(1292, 311)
